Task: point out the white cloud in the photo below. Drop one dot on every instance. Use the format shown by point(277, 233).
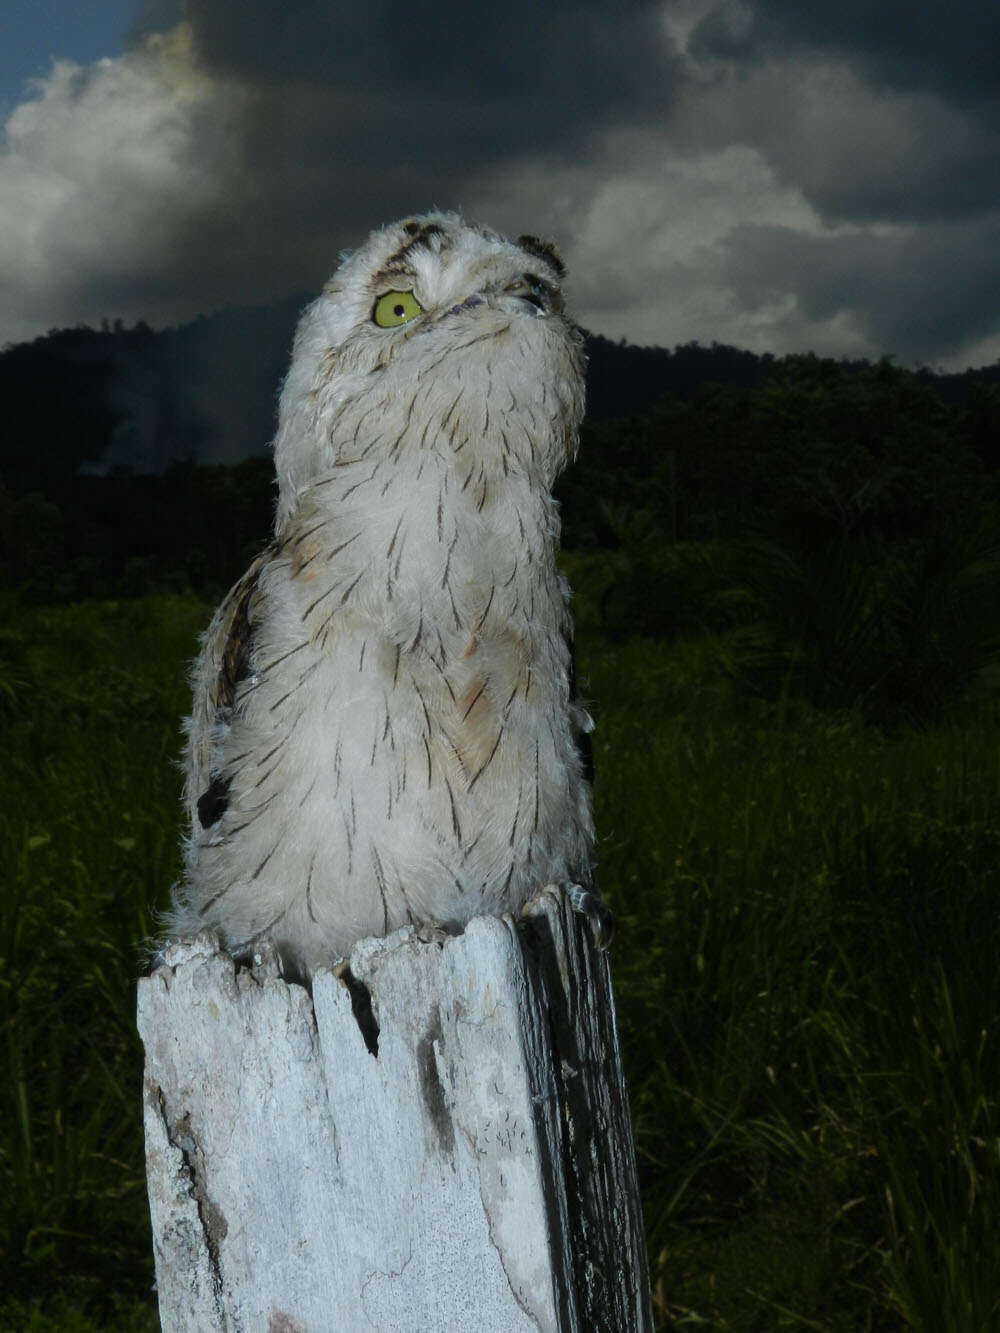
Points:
point(644, 230)
point(99, 174)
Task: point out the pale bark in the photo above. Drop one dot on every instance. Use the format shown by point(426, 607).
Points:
point(477, 1172)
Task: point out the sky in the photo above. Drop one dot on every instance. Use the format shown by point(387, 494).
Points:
point(782, 175)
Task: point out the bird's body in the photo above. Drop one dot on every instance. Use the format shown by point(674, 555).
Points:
point(384, 730)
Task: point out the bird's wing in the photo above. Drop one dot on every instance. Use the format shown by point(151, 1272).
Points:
point(223, 662)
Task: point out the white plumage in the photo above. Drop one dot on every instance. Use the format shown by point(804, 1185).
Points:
point(384, 730)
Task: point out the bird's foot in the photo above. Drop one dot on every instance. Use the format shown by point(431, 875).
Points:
point(591, 905)
point(587, 902)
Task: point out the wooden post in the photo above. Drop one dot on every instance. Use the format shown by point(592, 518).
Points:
point(456, 1157)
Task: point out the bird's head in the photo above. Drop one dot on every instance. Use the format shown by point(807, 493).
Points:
point(435, 334)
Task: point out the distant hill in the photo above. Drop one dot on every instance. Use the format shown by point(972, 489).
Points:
point(133, 400)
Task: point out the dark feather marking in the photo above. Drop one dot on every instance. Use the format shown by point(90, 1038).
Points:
point(482, 338)
point(454, 611)
point(423, 705)
point(531, 444)
point(447, 563)
point(455, 825)
point(309, 882)
point(309, 532)
point(475, 699)
point(357, 429)
point(440, 670)
point(421, 234)
point(213, 803)
point(412, 920)
point(363, 482)
point(439, 660)
point(468, 479)
point(380, 881)
point(234, 949)
point(351, 586)
point(255, 814)
point(406, 426)
point(392, 544)
point(544, 250)
point(235, 664)
point(488, 760)
point(265, 860)
point(440, 515)
point(205, 908)
point(321, 598)
point(510, 876)
point(447, 415)
point(534, 823)
point(427, 752)
point(337, 549)
point(482, 619)
point(263, 778)
point(467, 851)
point(350, 842)
point(517, 815)
point(395, 669)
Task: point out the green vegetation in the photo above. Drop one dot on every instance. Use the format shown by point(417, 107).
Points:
point(788, 612)
point(805, 973)
point(90, 706)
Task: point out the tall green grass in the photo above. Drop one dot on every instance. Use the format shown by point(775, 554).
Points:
point(88, 815)
point(805, 973)
point(809, 996)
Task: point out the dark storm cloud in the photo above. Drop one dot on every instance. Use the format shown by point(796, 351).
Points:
point(935, 45)
point(491, 78)
point(933, 293)
point(938, 45)
point(888, 111)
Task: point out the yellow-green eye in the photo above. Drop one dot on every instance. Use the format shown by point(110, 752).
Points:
point(394, 308)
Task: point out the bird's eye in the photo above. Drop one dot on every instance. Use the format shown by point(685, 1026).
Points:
point(394, 308)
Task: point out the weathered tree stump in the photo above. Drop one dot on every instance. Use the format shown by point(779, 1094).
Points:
point(457, 1157)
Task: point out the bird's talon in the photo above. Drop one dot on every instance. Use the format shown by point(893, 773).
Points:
point(592, 906)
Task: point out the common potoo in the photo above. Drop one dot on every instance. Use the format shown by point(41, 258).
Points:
point(384, 728)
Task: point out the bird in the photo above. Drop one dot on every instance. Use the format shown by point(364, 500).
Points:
point(386, 729)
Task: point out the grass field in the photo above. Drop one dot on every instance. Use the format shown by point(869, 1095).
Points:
point(806, 976)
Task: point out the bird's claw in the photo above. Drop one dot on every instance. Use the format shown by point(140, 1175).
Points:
point(585, 901)
point(593, 907)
